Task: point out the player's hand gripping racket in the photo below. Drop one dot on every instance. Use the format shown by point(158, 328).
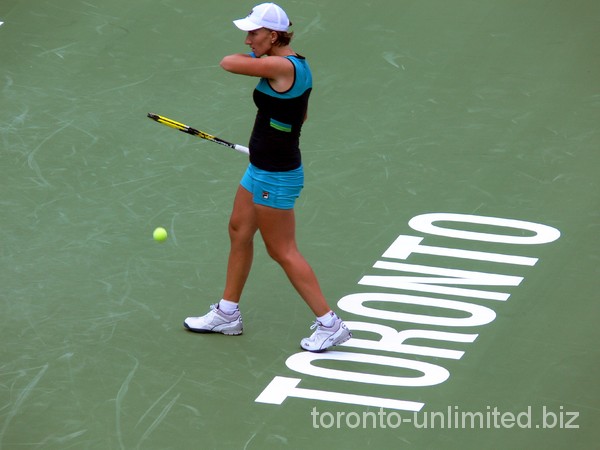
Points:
point(201, 134)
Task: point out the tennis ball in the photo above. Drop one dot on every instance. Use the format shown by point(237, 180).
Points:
point(160, 234)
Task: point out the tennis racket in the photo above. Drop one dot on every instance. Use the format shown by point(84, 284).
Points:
point(201, 134)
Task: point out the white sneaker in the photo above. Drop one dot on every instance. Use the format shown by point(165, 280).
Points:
point(325, 337)
point(216, 321)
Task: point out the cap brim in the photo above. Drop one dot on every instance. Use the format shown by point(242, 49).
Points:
point(246, 25)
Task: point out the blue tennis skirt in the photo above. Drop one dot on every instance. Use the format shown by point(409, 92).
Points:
point(274, 189)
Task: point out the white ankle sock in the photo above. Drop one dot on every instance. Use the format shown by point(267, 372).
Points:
point(227, 306)
point(328, 319)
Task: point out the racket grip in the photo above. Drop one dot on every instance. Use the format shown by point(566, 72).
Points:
point(242, 149)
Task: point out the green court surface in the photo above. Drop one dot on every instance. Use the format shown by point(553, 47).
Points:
point(427, 119)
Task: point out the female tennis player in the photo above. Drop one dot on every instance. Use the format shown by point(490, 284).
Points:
point(268, 190)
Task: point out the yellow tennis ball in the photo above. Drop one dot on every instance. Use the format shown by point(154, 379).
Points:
point(160, 234)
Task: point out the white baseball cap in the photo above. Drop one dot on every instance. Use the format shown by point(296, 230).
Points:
point(265, 15)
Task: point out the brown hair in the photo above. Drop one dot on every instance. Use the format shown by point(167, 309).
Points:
point(283, 37)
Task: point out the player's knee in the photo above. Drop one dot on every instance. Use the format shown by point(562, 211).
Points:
point(281, 255)
point(240, 232)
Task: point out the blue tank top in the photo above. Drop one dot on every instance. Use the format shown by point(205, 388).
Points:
point(275, 140)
